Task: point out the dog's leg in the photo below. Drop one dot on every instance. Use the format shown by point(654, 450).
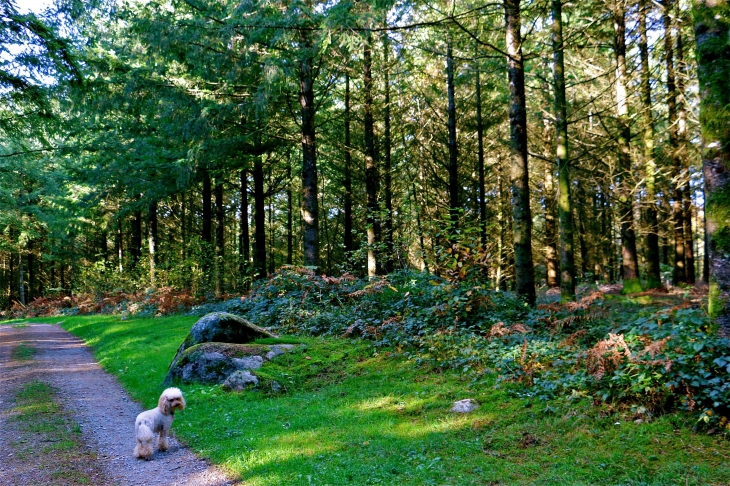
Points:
point(143, 451)
point(162, 442)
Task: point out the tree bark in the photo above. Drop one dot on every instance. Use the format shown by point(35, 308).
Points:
point(519, 178)
point(712, 36)
point(21, 279)
point(629, 264)
point(679, 274)
point(289, 216)
point(219, 236)
point(136, 243)
point(387, 162)
point(207, 230)
point(565, 204)
point(347, 183)
point(372, 177)
point(152, 240)
point(120, 246)
point(244, 243)
point(453, 154)
point(480, 164)
point(689, 253)
point(552, 263)
point(259, 257)
point(653, 275)
point(310, 202)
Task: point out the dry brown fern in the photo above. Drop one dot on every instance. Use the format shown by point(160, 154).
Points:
point(573, 338)
point(500, 330)
point(607, 355)
point(369, 289)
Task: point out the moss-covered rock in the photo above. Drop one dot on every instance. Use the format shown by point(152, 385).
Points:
point(214, 363)
point(219, 327)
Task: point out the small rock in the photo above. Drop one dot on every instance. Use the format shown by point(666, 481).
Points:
point(465, 406)
point(240, 380)
point(278, 349)
point(249, 362)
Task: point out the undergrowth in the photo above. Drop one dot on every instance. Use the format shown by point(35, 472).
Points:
point(648, 353)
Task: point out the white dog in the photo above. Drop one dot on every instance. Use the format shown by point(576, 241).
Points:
point(157, 420)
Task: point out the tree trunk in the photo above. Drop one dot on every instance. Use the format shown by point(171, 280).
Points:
point(552, 264)
point(259, 257)
point(565, 204)
point(120, 247)
point(679, 275)
point(244, 243)
point(387, 162)
point(152, 240)
point(272, 237)
point(371, 169)
point(347, 183)
point(219, 236)
point(480, 165)
point(31, 291)
point(207, 234)
point(289, 216)
point(653, 276)
point(629, 264)
point(21, 279)
point(521, 215)
point(183, 225)
point(453, 155)
point(136, 243)
point(689, 253)
point(310, 203)
point(712, 36)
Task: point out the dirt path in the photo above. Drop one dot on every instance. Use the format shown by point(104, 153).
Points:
point(99, 406)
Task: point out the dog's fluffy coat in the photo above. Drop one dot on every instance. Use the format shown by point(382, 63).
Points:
point(157, 421)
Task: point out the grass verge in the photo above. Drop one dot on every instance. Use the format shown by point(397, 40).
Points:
point(48, 437)
point(353, 416)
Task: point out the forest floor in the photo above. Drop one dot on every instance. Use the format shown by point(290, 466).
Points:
point(65, 421)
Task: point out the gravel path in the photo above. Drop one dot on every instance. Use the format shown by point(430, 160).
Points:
point(98, 403)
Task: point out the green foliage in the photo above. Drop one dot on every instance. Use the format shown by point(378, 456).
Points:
point(632, 286)
point(360, 416)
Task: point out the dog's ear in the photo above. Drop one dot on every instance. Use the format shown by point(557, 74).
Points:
point(163, 405)
point(182, 402)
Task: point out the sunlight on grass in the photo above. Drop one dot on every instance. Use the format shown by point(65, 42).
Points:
point(351, 417)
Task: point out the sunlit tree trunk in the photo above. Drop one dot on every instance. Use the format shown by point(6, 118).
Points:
point(712, 36)
point(152, 240)
point(629, 264)
point(653, 275)
point(453, 155)
point(21, 279)
point(289, 216)
point(552, 262)
point(387, 162)
point(347, 183)
point(219, 236)
point(259, 213)
point(480, 163)
point(136, 238)
point(244, 242)
point(120, 247)
point(310, 202)
point(689, 253)
point(679, 275)
point(519, 178)
point(372, 177)
point(565, 204)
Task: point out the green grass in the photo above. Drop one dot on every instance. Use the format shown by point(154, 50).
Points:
point(51, 433)
point(23, 352)
point(354, 416)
